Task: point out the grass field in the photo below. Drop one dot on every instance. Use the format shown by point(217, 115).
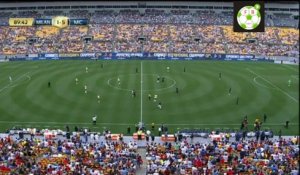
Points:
point(202, 102)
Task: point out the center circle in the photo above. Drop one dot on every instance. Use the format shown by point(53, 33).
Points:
point(113, 82)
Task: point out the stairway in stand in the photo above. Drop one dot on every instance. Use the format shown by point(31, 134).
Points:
point(143, 169)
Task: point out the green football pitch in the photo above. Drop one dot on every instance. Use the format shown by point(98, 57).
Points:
point(203, 100)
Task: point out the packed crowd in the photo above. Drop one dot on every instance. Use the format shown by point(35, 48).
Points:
point(4, 18)
point(153, 46)
point(51, 13)
point(284, 20)
point(158, 38)
point(259, 157)
point(37, 156)
point(27, 14)
point(178, 16)
point(19, 34)
point(104, 46)
point(127, 32)
point(287, 36)
point(102, 16)
point(128, 16)
point(128, 46)
point(46, 47)
point(104, 32)
point(209, 33)
point(154, 31)
point(47, 33)
point(85, 14)
point(182, 33)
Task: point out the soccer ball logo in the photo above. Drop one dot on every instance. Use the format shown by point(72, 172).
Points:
point(249, 17)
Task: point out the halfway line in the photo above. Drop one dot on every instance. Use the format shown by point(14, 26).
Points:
point(141, 92)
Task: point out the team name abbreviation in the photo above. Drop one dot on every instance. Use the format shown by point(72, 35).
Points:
point(43, 22)
point(78, 21)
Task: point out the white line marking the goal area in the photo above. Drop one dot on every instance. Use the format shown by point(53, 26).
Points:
point(276, 87)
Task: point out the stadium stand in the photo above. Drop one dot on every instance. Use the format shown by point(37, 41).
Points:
point(284, 20)
point(102, 16)
point(53, 13)
point(242, 157)
point(4, 17)
point(204, 31)
point(40, 156)
point(172, 36)
point(91, 153)
point(102, 32)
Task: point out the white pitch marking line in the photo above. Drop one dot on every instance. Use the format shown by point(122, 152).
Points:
point(141, 91)
point(295, 70)
point(273, 85)
point(295, 77)
point(9, 85)
point(124, 89)
point(254, 79)
point(62, 123)
point(230, 124)
point(126, 124)
point(17, 67)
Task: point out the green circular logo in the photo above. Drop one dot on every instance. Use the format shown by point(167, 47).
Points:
point(249, 17)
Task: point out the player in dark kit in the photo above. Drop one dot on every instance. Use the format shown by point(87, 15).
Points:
point(162, 79)
point(94, 119)
point(220, 76)
point(133, 93)
point(136, 70)
point(287, 124)
point(229, 92)
point(265, 118)
point(49, 84)
point(184, 69)
point(177, 91)
point(237, 100)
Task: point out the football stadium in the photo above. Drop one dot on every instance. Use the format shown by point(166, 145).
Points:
point(149, 87)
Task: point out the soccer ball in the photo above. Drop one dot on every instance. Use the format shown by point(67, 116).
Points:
point(249, 17)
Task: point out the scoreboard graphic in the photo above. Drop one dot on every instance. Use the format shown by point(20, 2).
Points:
point(58, 21)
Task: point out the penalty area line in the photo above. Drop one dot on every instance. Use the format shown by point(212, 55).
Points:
point(294, 99)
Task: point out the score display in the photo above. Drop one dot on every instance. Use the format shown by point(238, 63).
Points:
point(58, 21)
